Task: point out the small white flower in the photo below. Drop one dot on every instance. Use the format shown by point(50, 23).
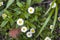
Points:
point(20, 21)
point(51, 27)
point(24, 29)
point(53, 6)
point(32, 30)
point(29, 34)
point(31, 10)
point(4, 16)
point(47, 38)
point(1, 3)
point(58, 18)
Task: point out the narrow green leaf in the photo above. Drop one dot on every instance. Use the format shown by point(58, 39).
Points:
point(47, 20)
point(19, 4)
point(39, 1)
point(4, 23)
point(1, 12)
point(30, 24)
point(9, 3)
point(28, 3)
point(11, 21)
point(55, 18)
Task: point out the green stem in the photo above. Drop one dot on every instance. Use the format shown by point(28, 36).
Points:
point(49, 9)
point(34, 39)
point(55, 17)
point(47, 20)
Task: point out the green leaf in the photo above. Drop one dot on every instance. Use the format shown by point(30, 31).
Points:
point(4, 23)
point(30, 24)
point(11, 21)
point(45, 23)
point(28, 3)
point(8, 13)
point(58, 1)
point(9, 3)
point(19, 4)
point(55, 18)
point(1, 12)
point(38, 1)
point(17, 11)
point(26, 15)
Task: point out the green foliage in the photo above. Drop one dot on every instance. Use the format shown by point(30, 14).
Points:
point(9, 3)
point(4, 23)
point(58, 1)
point(40, 20)
point(19, 4)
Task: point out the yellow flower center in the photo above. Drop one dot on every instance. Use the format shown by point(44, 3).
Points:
point(30, 10)
point(59, 18)
point(23, 28)
point(32, 30)
point(20, 21)
point(28, 34)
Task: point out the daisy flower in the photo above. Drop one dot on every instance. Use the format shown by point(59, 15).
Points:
point(32, 30)
point(24, 29)
point(20, 21)
point(29, 34)
point(51, 27)
point(31, 10)
point(53, 6)
point(47, 38)
point(58, 18)
point(1, 3)
point(4, 16)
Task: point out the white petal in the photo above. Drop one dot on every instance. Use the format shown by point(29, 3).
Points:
point(24, 29)
point(31, 10)
point(53, 6)
point(58, 18)
point(47, 38)
point(32, 30)
point(20, 22)
point(29, 34)
point(1, 3)
point(51, 27)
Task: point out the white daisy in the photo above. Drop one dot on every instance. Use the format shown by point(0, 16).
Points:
point(58, 18)
point(29, 34)
point(4, 16)
point(51, 27)
point(32, 30)
point(53, 6)
point(24, 29)
point(31, 10)
point(20, 21)
point(1, 3)
point(47, 38)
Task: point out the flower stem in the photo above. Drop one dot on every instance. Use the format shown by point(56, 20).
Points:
point(55, 17)
point(49, 9)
